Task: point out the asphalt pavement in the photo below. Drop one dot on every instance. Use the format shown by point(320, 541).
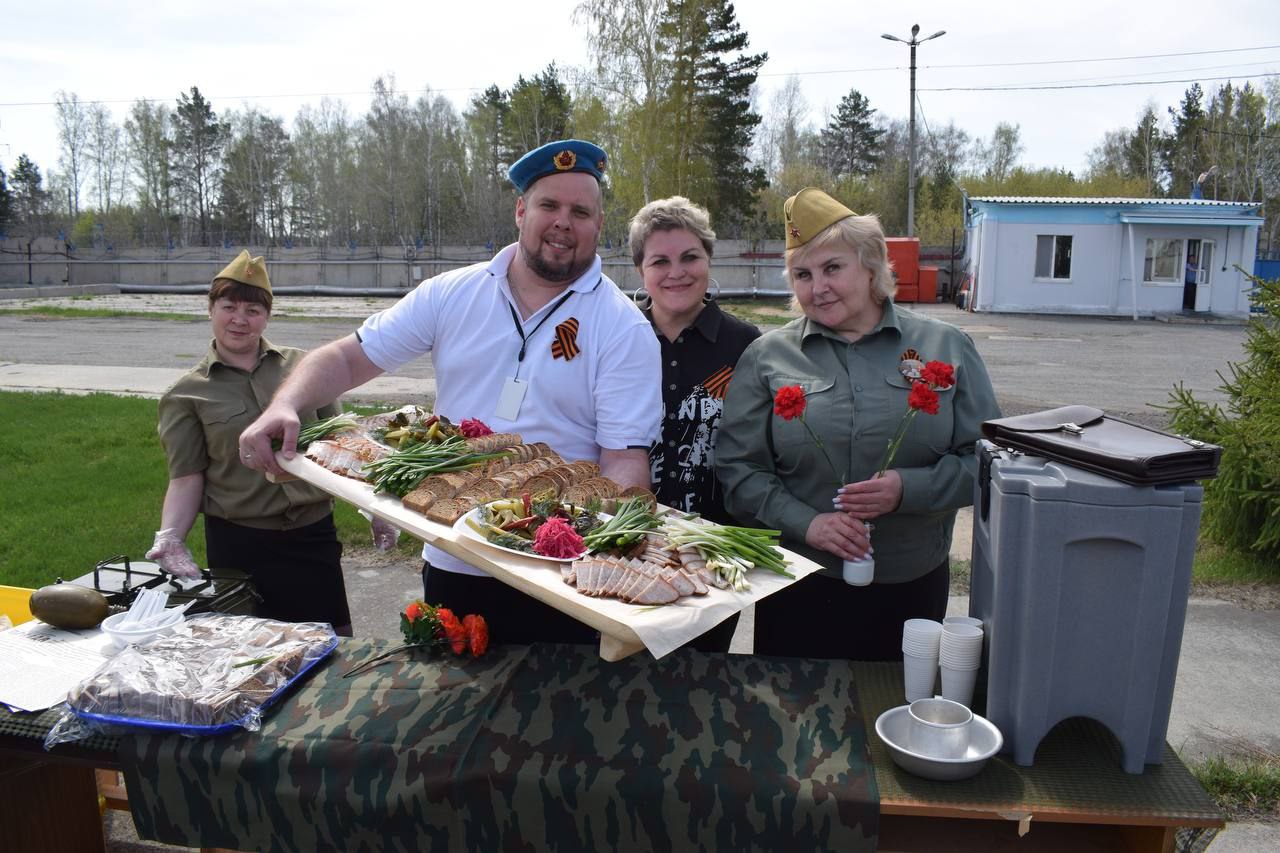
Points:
point(1228, 677)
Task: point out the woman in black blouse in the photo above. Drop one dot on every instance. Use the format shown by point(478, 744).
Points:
point(671, 244)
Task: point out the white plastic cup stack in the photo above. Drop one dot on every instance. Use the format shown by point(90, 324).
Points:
point(960, 654)
point(920, 648)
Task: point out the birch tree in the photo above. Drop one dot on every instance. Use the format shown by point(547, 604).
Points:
point(73, 137)
point(149, 131)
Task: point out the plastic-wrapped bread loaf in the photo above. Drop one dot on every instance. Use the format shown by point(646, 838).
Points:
point(213, 670)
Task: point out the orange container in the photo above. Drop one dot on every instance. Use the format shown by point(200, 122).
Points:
point(928, 291)
point(904, 253)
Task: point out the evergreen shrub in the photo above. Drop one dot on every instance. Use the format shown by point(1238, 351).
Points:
point(1242, 505)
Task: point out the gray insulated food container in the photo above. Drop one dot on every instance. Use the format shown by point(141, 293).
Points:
point(1082, 583)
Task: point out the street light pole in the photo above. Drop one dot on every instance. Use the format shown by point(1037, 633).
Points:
point(911, 125)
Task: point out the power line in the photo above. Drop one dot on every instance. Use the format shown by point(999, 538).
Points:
point(1040, 87)
point(1238, 133)
point(243, 97)
point(1109, 58)
point(1097, 77)
point(764, 74)
point(1019, 64)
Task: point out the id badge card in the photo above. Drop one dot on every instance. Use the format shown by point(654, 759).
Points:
point(510, 398)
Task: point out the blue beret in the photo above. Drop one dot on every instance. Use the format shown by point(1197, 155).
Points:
point(565, 155)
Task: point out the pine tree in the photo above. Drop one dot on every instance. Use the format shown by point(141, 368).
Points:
point(6, 202)
point(1142, 153)
point(199, 139)
point(851, 143)
point(537, 112)
point(708, 107)
point(29, 194)
point(1183, 157)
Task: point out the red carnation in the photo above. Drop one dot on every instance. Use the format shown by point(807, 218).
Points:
point(414, 611)
point(473, 428)
point(789, 402)
point(939, 374)
point(924, 398)
point(453, 630)
point(477, 634)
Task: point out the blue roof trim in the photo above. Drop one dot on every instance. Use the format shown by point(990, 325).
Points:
point(1189, 217)
point(1096, 211)
point(1114, 200)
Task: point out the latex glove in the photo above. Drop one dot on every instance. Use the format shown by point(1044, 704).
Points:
point(171, 553)
point(385, 534)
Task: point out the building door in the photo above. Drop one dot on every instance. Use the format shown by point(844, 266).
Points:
point(1204, 274)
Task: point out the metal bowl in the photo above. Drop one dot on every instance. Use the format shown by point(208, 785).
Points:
point(893, 727)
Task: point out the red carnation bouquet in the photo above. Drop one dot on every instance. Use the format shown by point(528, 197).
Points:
point(935, 376)
point(789, 403)
point(434, 628)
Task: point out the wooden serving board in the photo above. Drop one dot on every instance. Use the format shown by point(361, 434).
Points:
point(616, 621)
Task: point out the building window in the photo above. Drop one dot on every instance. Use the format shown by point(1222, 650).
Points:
point(1163, 264)
point(1053, 256)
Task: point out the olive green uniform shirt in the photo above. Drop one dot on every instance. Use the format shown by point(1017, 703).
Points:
point(201, 418)
point(774, 475)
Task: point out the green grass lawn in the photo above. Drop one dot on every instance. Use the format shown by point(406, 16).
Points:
point(82, 479)
point(61, 312)
point(1216, 564)
point(1246, 787)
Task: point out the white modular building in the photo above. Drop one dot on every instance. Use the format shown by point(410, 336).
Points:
point(1138, 257)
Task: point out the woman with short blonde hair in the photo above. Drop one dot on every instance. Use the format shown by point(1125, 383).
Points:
point(855, 357)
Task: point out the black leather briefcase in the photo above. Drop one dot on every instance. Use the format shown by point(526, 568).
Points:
point(1091, 439)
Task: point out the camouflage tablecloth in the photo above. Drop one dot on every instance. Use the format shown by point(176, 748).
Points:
point(529, 748)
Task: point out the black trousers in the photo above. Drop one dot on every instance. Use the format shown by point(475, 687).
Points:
point(297, 572)
point(824, 617)
point(516, 618)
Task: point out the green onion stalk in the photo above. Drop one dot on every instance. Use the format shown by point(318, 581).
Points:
point(730, 551)
point(316, 430)
point(627, 527)
point(401, 471)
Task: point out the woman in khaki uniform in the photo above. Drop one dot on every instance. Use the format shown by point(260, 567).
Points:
point(282, 535)
point(853, 353)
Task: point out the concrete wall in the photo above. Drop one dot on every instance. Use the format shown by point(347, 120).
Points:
point(43, 262)
point(741, 268)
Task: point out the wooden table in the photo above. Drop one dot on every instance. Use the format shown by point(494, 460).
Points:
point(49, 800)
point(1076, 796)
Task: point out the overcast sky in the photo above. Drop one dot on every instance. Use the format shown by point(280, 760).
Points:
point(279, 55)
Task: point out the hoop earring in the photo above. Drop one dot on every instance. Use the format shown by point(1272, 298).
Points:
point(642, 299)
point(713, 292)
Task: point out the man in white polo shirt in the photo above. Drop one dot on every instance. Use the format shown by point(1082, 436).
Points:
point(537, 341)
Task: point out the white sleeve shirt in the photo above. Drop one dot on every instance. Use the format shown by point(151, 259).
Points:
point(606, 396)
